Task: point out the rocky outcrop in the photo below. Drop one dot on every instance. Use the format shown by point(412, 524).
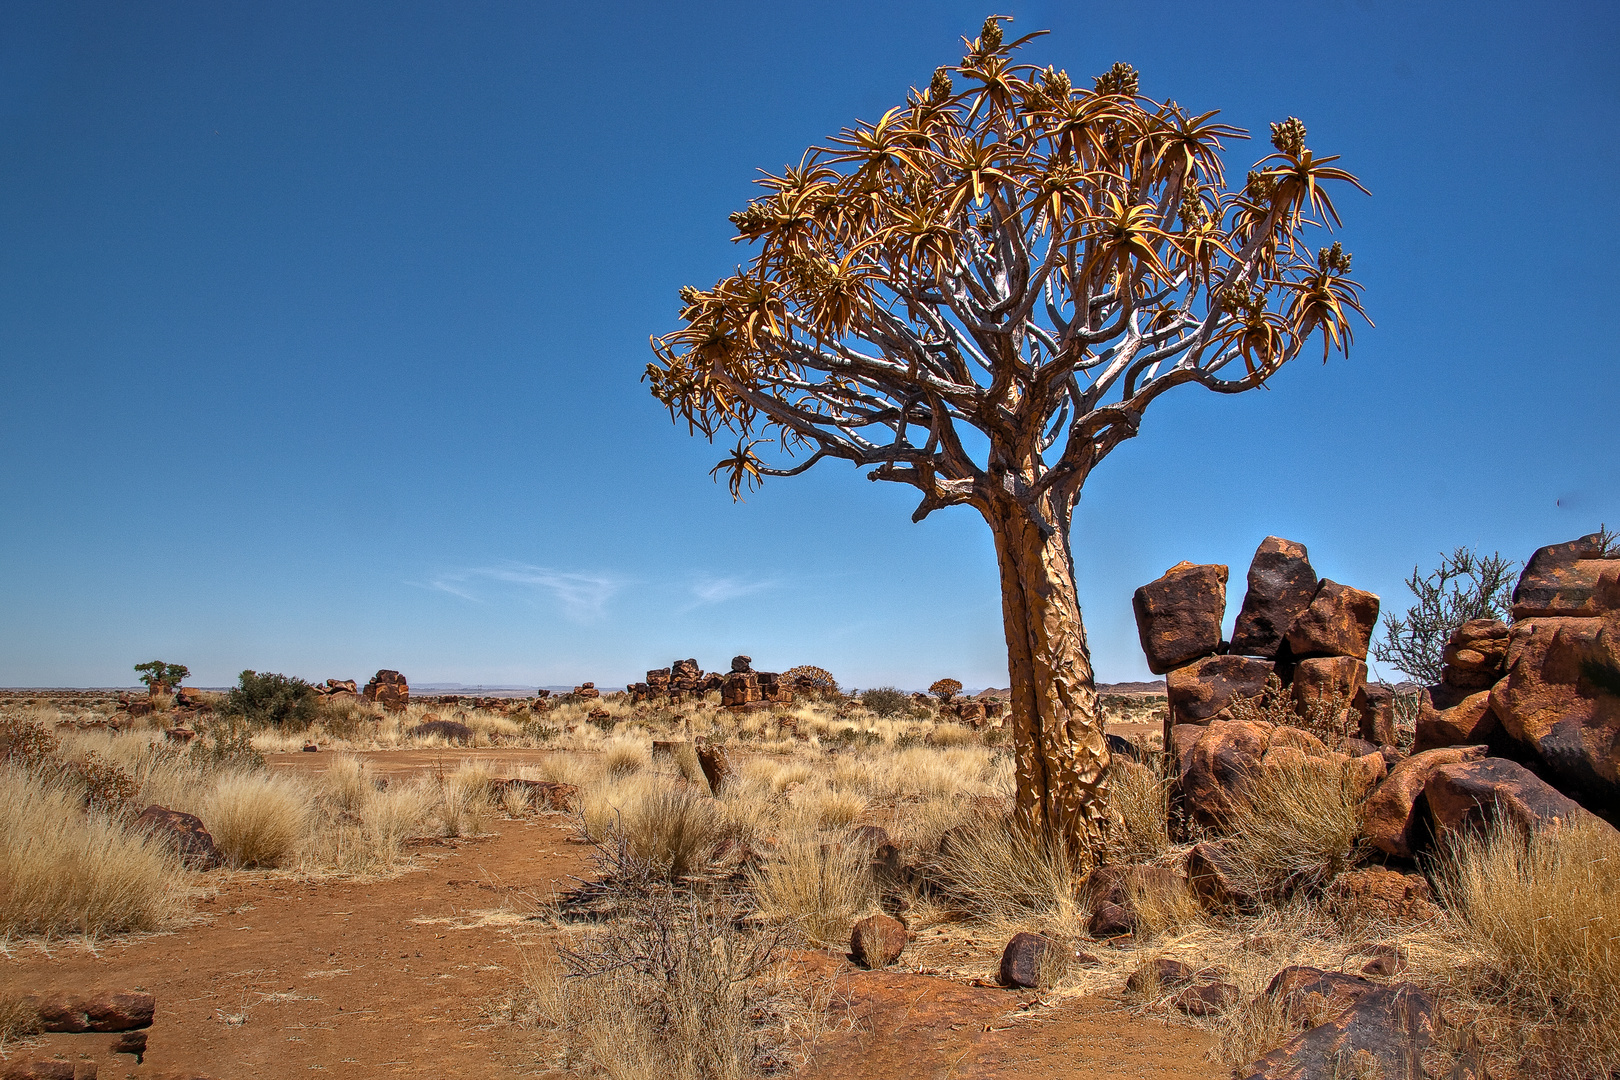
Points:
point(1467, 723)
point(1561, 702)
point(1471, 794)
point(1178, 617)
point(1339, 622)
point(1201, 690)
point(1394, 816)
point(1327, 686)
point(1218, 767)
point(1381, 895)
point(1580, 578)
point(1475, 656)
point(390, 690)
point(1281, 586)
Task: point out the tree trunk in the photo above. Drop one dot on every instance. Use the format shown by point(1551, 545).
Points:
point(1061, 756)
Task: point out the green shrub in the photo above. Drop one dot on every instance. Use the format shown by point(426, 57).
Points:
point(271, 700)
point(885, 701)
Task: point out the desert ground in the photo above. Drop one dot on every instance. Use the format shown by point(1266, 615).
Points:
point(655, 883)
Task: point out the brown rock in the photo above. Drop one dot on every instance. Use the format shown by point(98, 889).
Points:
point(1308, 995)
point(1384, 1034)
point(389, 689)
point(972, 712)
point(130, 1042)
point(1382, 894)
point(185, 833)
point(191, 698)
point(1468, 723)
point(658, 680)
point(449, 730)
point(1111, 920)
point(1339, 622)
point(587, 691)
point(1367, 771)
point(1178, 617)
point(1327, 686)
point(1130, 885)
point(1213, 877)
point(686, 675)
point(1392, 821)
point(1297, 739)
point(1573, 579)
point(716, 765)
point(1375, 710)
point(1281, 586)
point(1167, 974)
point(1561, 700)
point(1182, 739)
point(107, 1010)
point(1468, 795)
point(1021, 960)
point(1387, 960)
point(740, 688)
point(1476, 656)
point(877, 941)
point(1202, 689)
point(1206, 999)
point(1218, 767)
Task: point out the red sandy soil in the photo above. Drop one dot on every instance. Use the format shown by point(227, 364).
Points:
point(279, 977)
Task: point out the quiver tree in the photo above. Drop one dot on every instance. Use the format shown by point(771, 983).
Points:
point(979, 295)
point(945, 689)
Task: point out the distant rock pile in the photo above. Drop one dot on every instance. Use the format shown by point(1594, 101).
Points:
point(388, 689)
point(739, 688)
point(345, 689)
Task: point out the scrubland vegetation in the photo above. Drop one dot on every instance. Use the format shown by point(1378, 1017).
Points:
point(677, 958)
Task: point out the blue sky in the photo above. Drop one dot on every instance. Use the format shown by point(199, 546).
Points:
point(322, 326)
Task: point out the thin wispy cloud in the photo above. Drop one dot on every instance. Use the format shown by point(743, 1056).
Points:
point(582, 597)
point(708, 590)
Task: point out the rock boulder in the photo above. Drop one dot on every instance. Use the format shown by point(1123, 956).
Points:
point(1393, 821)
point(1339, 622)
point(1471, 794)
point(1178, 617)
point(389, 689)
point(1579, 578)
point(1281, 586)
point(1200, 690)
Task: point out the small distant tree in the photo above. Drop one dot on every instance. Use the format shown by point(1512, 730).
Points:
point(160, 677)
point(945, 689)
point(980, 295)
point(885, 701)
point(811, 680)
point(1463, 587)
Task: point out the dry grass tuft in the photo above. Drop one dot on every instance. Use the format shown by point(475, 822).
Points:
point(673, 829)
point(1294, 826)
point(1544, 915)
point(63, 870)
point(348, 782)
point(466, 800)
point(674, 990)
point(1140, 802)
point(994, 869)
point(821, 887)
point(19, 1020)
point(624, 756)
point(258, 820)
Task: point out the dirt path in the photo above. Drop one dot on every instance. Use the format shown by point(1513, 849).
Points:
point(280, 977)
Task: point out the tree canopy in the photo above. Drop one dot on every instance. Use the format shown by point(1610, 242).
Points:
point(1011, 252)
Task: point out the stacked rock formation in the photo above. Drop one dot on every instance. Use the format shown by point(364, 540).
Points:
point(339, 689)
point(1312, 634)
point(744, 687)
point(681, 680)
point(388, 689)
point(1543, 692)
point(1523, 727)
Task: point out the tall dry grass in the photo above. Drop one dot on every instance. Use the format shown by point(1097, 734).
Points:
point(257, 819)
point(1543, 914)
point(994, 869)
point(819, 886)
point(1296, 825)
point(675, 991)
point(64, 870)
